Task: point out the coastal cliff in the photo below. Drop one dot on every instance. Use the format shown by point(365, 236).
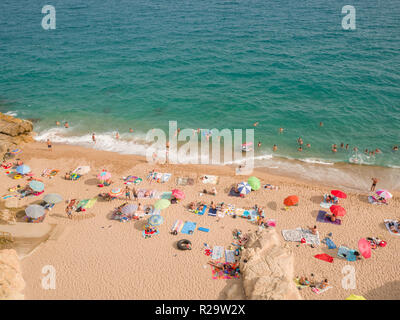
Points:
point(11, 281)
point(14, 131)
point(267, 268)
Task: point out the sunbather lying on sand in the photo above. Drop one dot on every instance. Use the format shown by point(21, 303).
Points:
point(332, 217)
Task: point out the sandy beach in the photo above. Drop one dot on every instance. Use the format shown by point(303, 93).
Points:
point(100, 258)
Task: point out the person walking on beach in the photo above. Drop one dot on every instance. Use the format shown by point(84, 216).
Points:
point(374, 182)
point(49, 144)
point(93, 137)
point(134, 194)
point(127, 193)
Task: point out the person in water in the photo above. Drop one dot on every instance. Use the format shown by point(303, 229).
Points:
point(334, 148)
point(274, 148)
point(93, 137)
point(66, 125)
point(321, 124)
point(259, 144)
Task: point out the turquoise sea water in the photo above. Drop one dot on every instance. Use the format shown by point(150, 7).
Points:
point(114, 65)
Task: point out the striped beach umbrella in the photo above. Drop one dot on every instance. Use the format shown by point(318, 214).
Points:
point(82, 170)
point(162, 204)
point(178, 194)
point(23, 169)
point(384, 194)
point(36, 185)
point(16, 151)
point(34, 211)
point(155, 220)
point(254, 182)
point(104, 175)
point(244, 188)
point(129, 209)
point(52, 198)
point(117, 192)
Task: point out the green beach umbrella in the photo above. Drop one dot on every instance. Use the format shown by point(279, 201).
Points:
point(254, 183)
point(162, 204)
point(52, 198)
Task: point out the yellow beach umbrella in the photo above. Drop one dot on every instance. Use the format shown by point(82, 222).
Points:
point(355, 297)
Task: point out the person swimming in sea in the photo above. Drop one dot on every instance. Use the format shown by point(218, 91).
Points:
point(281, 130)
point(300, 149)
point(321, 124)
point(300, 141)
point(255, 124)
point(395, 148)
point(334, 148)
point(308, 145)
point(259, 144)
point(66, 125)
point(274, 148)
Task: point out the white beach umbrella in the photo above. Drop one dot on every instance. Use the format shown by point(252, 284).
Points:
point(82, 170)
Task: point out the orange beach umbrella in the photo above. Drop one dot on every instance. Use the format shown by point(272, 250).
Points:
point(291, 201)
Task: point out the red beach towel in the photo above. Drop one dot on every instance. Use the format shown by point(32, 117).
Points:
point(324, 257)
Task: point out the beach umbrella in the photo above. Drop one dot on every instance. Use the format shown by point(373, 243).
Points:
point(155, 220)
point(355, 297)
point(338, 210)
point(34, 211)
point(117, 192)
point(23, 169)
point(244, 188)
point(129, 209)
point(104, 175)
point(384, 194)
point(291, 201)
point(52, 198)
point(339, 194)
point(162, 204)
point(254, 183)
point(178, 194)
point(16, 151)
point(36, 185)
point(82, 170)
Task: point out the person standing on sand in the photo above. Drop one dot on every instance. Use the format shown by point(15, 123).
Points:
point(127, 193)
point(49, 144)
point(93, 137)
point(374, 182)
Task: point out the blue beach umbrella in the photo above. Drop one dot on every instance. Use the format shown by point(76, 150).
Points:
point(23, 169)
point(155, 220)
point(34, 211)
point(36, 186)
point(244, 188)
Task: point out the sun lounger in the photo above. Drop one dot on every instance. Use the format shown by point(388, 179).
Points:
point(323, 218)
point(189, 227)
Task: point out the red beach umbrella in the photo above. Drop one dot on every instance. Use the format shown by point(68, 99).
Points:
point(291, 201)
point(338, 210)
point(178, 194)
point(339, 194)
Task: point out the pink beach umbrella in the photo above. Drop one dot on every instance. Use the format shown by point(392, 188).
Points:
point(384, 194)
point(104, 175)
point(178, 194)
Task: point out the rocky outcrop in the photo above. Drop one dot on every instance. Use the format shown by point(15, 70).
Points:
point(11, 281)
point(13, 132)
point(267, 268)
point(7, 217)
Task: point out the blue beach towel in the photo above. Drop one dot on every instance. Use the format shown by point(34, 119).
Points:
point(189, 227)
point(212, 212)
point(329, 243)
point(203, 229)
point(200, 213)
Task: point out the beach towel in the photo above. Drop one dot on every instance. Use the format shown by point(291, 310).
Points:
point(323, 218)
point(165, 177)
point(208, 179)
point(325, 205)
point(396, 231)
point(217, 252)
point(298, 285)
point(297, 234)
point(220, 274)
point(346, 253)
point(212, 212)
point(319, 291)
point(177, 226)
point(229, 210)
point(189, 227)
point(230, 256)
point(149, 235)
point(203, 229)
point(202, 212)
point(328, 241)
point(184, 181)
point(324, 257)
point(166, 195)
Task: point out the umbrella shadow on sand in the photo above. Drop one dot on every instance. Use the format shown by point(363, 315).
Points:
point(363, 198)
point(315, 213)
point(316, 199)
point(272, 205)
point(389, 291)
point(91, 182)
point(139, 225)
